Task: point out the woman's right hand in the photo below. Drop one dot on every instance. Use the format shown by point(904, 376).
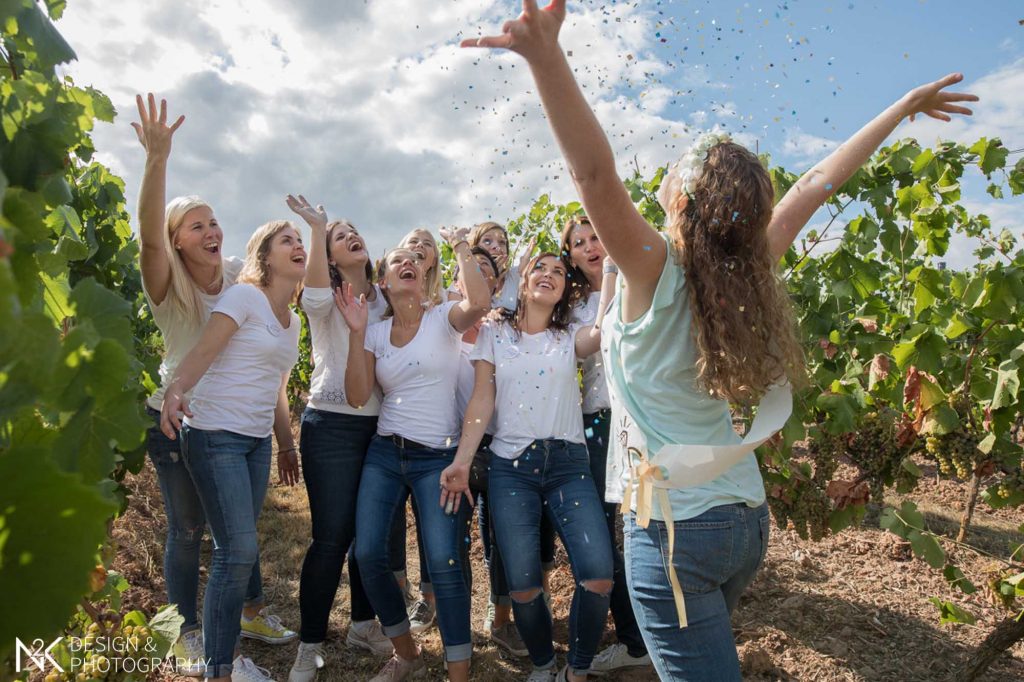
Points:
point(152, 129)
point(175, 403)
point(353, 310)
point(533, 34)
point(314, 217)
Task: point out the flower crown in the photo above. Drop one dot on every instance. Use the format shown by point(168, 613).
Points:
point(690, 167)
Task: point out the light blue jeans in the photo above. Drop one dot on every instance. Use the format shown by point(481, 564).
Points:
point(231, 473)
point(716, 557)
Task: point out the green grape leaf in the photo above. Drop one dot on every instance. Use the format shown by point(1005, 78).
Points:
point(951, 613)
point(991, 154)
point(927, 547)
point(1007, 385)
point(108, 312)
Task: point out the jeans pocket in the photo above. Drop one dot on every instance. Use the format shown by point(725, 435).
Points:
point(704, 553)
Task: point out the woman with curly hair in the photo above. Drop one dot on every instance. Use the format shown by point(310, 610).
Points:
point(701, 319)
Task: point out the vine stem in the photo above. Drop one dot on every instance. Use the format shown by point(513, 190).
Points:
point(817, 240)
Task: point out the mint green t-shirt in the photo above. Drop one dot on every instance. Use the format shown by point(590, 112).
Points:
point(652, 378)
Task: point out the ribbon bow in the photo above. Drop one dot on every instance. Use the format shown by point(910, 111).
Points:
point(643, 474)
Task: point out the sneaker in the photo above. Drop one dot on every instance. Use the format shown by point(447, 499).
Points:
point(421, 617)
point(309, 659)
point(616, 657)
point(397, 669)
point(507, 637)
point(244, 670)
point(370, 637)
point(545, 675)
point(188, 656)
point(489, 620)
point(267, 628)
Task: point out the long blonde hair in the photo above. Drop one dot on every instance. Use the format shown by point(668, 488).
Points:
point(744, 324)
point(432, 277)
point(183, 293)
point(254, 270)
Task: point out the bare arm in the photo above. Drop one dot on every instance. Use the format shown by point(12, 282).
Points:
point(216, 334)
point(287, 456)
point(814, 188)
point(477, 302)
point(455, 477)
point(360, 371)
point(317, 275)
point(629, 240)
point(155, 136)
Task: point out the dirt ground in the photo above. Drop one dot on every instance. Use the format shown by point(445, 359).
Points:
point(851, 607)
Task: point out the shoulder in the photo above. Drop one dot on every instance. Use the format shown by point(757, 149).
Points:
point(232, 266)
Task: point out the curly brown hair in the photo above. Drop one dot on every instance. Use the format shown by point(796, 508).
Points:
point(744, 323)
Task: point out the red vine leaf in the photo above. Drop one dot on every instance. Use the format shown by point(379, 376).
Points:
point(846, 493)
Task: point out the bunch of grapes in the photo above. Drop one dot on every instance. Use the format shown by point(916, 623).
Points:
point(825, 450)
point(805, 505)
point(956, 453)
point(105, 654)
point(1011, 483)
point(874, 449)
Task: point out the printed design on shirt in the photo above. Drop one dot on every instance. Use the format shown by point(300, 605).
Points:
point(330, 395)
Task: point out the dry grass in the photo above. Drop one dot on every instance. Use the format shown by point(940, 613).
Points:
point(852, 607)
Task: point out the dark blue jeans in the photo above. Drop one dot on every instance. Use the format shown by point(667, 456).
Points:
point(388, 473)
point(716, 557)
point(231, 472)
point(554, 473)
point(186, 524)
point(598, 426)
point(333, 447)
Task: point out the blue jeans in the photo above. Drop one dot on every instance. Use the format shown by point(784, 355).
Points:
point(230, 472)
point(598, 426)
point(388, 473)
point(333, 447)
point(186, 524)
point(716, 557)
point(554, 473)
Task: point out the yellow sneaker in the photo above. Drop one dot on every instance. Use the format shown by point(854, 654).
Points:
point(267, 628)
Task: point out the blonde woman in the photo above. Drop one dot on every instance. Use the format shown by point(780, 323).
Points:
point(700, 319)
point(184, 275)
point(423, 243)
point(239, 370)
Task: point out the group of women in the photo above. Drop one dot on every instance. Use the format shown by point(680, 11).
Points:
point(471, 395)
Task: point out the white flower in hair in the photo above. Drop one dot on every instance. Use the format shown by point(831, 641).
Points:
point(690, 167)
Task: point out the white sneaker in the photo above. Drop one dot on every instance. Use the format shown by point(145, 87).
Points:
point(187, 654)
point(421, 617)
point(545, 675)
point(370, 636)
point(308, 660)
point(398, 669)
point(244, 670)
point(616, 657)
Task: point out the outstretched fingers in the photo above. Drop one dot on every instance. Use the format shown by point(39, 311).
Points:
point(502, 41)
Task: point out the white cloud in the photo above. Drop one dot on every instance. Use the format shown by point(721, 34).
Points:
point(804, 149)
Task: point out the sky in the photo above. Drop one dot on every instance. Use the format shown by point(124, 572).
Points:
point(372, 109)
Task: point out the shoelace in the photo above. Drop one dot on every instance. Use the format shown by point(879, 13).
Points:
point(610, 653)
point(254, 671)
point(422, 611)
point(273, 621)
point(312, 655)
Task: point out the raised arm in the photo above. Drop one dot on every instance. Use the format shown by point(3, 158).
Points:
point(455, 478)
point(360, 371)
point(155, 136)
point(316, 268)
point(216, 334)
point(477, 302)
point(814, 188)
point(628, 239)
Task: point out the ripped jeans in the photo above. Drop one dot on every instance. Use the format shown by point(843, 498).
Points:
point(555, 474)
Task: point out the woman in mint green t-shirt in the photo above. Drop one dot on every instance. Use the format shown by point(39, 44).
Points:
point(701, 320)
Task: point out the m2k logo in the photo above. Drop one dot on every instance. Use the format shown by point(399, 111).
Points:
point(36, 655)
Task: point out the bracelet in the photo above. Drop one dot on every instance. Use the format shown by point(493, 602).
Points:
point(291, 449)
point(461, 241)
point(611, 269)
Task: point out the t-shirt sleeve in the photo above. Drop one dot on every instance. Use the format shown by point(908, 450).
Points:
point(317, 301)
point(442, 315)
point(239, 302)
point(585, 312)
point(484, 347)
point(374, 334)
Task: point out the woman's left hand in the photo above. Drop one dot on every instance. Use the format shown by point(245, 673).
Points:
point(288, 466)
point(455, 484)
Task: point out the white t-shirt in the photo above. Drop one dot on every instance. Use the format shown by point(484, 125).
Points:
point(595, 386)
point(330, 334)
point(536, 393)
point(179, 335)
point(467, 381)
point(239, 390)
point(419, 379)
point(508, 296)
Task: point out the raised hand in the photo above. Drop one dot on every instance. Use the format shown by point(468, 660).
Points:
point(353, 310)
point(532, 34)
point(152, 129)
point(454, 235)
point(932, 100)
point(455, 484)
point(524, 259)
point(314, 217)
